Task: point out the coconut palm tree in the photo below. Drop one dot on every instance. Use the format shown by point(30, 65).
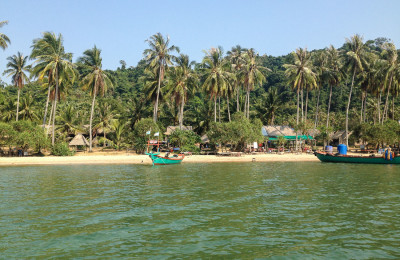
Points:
point(28, 111)
point(95, 80)
point(236, 58)
point(17, 68)
point(182, 82)
point(390, 56)
point(333, 75)
point(354, 62)
point(4, 40)
point(105, 114)
point(253, 75)
point(300, 74)
point(217, 76)
point(319, 63)
point(7, 110)
point(67, 120)
point(54, 63)
point(159, 57)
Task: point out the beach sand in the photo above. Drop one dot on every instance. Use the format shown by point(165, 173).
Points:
point(124, 158)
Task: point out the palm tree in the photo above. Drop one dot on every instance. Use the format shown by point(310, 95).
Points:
point(182, 82)
point(54, 63)
point(299, 75)
point(319, 60)
point(28, 111)
point(118, 126)
point(67, 120)
point(333, 74)
point(16, 70)
point(237, 62)
point(354, 62)
point(96, 80)
point(269, 105)
point(105, 117)
point(253, 75)
point(217, 76)
point(4, 40)
point(159, 57)
point(390, 54)
point(7, 110)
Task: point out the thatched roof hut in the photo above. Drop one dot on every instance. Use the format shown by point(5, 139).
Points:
point(79, 140)
point(171, 129)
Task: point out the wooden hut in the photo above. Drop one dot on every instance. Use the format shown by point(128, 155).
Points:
point(79, 140)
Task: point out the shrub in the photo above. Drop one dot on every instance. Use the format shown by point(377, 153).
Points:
point(61, 149)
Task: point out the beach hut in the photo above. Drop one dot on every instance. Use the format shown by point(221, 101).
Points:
point(171, 129)
point(273, 132)
point(79, 140)
point(339, 137)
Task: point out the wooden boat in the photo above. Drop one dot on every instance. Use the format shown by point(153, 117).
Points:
point(165, 160)
point(329, 157)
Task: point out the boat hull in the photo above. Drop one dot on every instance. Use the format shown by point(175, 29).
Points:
point(324, 157)
point(161, 160)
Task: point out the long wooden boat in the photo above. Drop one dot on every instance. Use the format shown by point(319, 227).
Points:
point(328, 157)
point(165, 160)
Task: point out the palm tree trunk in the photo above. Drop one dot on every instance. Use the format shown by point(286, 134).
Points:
point(19, 91)
point(379, 108)
point(51, 114)
point(215, 109)
point(385, 110)
point(227, 102)
point(237, 98)
point(91, 121)
point(302, 106)
point(158, 96)
point(298, 108)
point(347, 109)
point(329, 107)
point(47, 106)
point(305, 117)
point(248, 102)
point(365, 106)
point(55, 109)
point(245, 105)
point(219, 109)
point(362, 106)
point(181, 113)
point(392, 107)
point(317, 111)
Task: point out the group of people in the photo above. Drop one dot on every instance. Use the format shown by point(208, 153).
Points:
point(13, 152)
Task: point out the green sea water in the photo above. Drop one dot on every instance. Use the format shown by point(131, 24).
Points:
point(307, 210)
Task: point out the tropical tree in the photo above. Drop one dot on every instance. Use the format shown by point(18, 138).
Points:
point(54, 63)
point(354, 62)
point(105, 114)
point(17, 68)
point(300, 74)
point(217, 76)
point(253, 75)
point(95, 80)
point(4, 40)
point(28, 111)
point(319, 62)
point(182, 81)
point(237, 62)
point(391, 63)
point(159, 57)
point(67, 120)
point(333, 75)
point(269, 105)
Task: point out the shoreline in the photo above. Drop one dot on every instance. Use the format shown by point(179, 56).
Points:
point(145, 160)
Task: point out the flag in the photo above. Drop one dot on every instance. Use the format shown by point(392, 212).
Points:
point(148, 132)
point(157, 134)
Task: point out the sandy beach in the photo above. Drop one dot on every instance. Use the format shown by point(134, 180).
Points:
point(123, 158)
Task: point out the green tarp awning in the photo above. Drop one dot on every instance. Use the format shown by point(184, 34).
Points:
point(292, 137)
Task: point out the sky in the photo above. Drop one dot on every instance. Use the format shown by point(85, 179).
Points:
point(120, 27)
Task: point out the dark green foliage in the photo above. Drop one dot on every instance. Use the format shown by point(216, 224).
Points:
point(186, 140)
point(139, 136)
point(61, 149)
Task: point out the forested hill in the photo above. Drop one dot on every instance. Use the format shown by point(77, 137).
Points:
point(275, 94)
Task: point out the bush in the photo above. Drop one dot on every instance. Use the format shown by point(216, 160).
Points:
point(61, 149)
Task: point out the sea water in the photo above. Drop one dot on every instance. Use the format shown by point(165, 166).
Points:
point(307, 210)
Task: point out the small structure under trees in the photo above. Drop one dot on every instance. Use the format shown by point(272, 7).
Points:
point(79, 140)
